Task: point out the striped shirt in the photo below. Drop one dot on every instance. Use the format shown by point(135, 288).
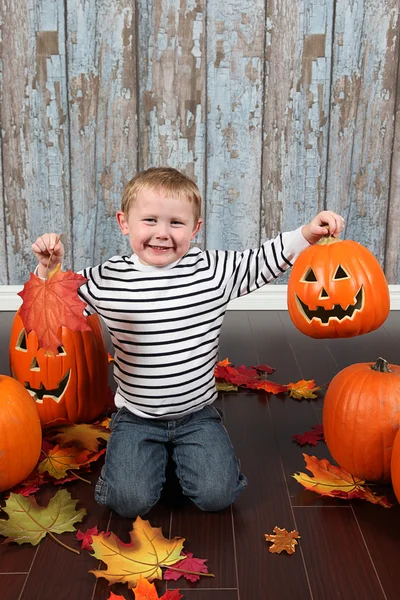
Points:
point(165, 322)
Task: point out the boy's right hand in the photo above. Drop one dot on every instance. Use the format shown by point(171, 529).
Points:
point(43, 249)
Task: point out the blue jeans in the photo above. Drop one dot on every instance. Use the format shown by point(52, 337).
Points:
point(137, 454)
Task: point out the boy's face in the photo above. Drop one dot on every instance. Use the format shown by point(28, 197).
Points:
point(160, 229)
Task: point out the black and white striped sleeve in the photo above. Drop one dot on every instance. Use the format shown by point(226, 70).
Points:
point(257, 267)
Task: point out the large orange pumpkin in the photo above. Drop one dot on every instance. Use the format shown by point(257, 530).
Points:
point(20, 433)
point(395, 466)
point(337, 289)
point(70, 385)
point(361, 416)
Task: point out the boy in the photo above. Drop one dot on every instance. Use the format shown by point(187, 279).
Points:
point(164, 308)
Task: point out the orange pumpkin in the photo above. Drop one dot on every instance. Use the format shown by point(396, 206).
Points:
point(71, 385)
point(395, 466)
point(337, 289)
point(20, 433)
point(361, 416)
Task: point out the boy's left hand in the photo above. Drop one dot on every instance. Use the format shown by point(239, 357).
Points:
point(325, 223)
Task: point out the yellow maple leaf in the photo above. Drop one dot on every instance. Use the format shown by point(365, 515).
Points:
point(81, 435)
point(304, 388)
point(283, 540)
point(146, 553)
point(60, 460)
point(224, 386)
point(330, 480)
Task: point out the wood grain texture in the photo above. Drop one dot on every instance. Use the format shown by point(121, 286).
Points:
point(4, 277)
point(235, 59)
point(172, 87)
point(276, 109)
point(362, 127)
point(116, 128)
point(35, 141)
point(392, 263)
point(296, 107)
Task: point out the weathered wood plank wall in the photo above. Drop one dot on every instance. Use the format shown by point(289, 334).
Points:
point(278, 109)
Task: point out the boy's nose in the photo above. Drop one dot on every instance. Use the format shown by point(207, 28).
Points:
point(162, 231)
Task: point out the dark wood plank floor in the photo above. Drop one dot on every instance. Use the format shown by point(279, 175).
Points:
point(347, 550)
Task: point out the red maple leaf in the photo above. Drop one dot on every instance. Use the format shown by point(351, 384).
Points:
point(86, 537)
point(51, 304)
point(196, 565)
point(264, 368)
point(310, 437)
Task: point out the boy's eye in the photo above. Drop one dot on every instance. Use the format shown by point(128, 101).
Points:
point(149, 219)
point(176, 222)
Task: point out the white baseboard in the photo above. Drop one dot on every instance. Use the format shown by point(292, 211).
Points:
point(272, 297)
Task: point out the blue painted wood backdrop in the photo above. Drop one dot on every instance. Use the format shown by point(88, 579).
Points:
point(278, 109)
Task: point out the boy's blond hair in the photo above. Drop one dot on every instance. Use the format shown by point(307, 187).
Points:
point(170, 181)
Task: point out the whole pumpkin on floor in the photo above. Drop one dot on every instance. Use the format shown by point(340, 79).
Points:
point(361, 417)
point(20, 433)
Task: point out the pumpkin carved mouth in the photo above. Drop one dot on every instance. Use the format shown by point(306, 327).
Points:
point(337, 312)
point(55, 394)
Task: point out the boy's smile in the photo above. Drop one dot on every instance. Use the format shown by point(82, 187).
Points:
point(160, 227)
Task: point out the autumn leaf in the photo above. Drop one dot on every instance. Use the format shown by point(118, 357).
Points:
point(30, 523)
point(53, 303)
point(113, 596)
point(271, 388)
point(283, 540)
point(146, 553)
point(147, 591)
point(264, 368)
point(188, 567)
point(223, 386)
point(86, 537)
point(310, 437)
point(81, 435)
point(330, 480)
point(60, 460)
point(303, 389)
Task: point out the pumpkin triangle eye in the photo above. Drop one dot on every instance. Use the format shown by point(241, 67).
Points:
point(61, 351)
point(310, 275)
point(21, 342)
point(340, 273)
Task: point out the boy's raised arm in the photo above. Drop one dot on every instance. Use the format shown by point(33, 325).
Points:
point(47, 245)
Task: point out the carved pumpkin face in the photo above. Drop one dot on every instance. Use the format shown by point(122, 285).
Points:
point(70, 385)
point(337, 289)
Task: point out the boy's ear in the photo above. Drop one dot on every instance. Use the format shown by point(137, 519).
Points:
point(122, 222)
point(197, 228)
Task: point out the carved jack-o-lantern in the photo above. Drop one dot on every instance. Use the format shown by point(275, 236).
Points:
point(337, 289)
point(70, 385)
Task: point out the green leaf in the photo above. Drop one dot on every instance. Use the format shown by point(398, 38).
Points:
point(29, 523)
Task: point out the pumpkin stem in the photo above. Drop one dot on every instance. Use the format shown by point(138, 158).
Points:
point(328, 239)
point(381, 365)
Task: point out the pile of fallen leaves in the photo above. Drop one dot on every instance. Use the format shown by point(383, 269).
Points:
point(230, 378)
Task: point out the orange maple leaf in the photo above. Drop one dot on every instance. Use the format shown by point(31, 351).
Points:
point(303, 389)
point(60, 460)
point(330, 480)
point(283, 540)
point(146, 553)
point(113, 596)
point(48, 305)
point(147, 591)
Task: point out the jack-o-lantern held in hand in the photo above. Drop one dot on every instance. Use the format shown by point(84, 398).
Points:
point(72, 384)
point(337, 289)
